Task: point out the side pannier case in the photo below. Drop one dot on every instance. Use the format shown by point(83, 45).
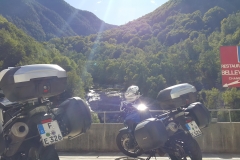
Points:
point(30, 82)
point(177, 96)
point(200, 114)
point(74, 117)
point(151, 134)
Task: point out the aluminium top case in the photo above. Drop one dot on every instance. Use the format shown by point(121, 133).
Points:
point(177, 96)
point(31, 82)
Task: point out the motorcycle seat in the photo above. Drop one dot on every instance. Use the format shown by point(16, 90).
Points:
point(2, 106)
point(4, 103)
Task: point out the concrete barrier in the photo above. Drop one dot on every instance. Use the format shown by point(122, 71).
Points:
point(217, 138)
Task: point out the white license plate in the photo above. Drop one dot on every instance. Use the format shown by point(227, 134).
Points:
point(193, 129)
point(50, 133)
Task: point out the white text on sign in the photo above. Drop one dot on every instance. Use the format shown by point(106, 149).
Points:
point(231, 72)
point(230, 65)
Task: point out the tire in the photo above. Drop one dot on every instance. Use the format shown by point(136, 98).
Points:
point(122, 143)
point(34, 149)
point(49, 153)
point(190, 148)
point(42, 153)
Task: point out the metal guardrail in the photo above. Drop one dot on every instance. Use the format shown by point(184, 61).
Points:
point(111, 112)
point(225, 110)
point(211, 110)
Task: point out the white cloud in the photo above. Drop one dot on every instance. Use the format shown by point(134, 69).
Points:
point(152, 1)
point(99, 2)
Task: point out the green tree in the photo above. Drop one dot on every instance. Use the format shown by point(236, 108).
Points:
point(154, 85)
point(95, 118)
point(211, 98)
point(231, 98)
point(213, 17)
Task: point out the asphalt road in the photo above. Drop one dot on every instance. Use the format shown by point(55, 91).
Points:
point(120, 156)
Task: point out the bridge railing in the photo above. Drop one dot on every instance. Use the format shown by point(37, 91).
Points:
point(228, 111)
point(114, 116)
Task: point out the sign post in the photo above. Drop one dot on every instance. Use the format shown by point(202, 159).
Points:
point(230, 65)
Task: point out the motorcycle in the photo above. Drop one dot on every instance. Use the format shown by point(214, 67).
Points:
point(31, 124)
point(132, 112)
point(173, 132)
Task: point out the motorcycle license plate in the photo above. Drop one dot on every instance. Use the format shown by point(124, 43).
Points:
point(193, 129)
point(50, 133)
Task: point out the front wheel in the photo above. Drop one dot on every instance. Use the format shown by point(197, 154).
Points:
point(127, 144)
point(186, 149)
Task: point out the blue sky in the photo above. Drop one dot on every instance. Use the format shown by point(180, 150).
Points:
point(117, 12)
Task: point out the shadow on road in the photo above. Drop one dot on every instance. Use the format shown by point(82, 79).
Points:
point(120, 156)
point(222, 156)
point(128, 158)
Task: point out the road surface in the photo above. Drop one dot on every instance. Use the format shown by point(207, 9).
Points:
point(120, 156)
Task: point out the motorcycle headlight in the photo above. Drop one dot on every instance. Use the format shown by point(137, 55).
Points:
point(141, 107)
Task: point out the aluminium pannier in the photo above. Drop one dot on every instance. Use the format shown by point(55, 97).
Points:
point(200, 114)
point(74, 117)
point(151, 134)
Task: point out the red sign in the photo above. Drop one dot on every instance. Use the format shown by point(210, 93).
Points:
point(230, 64)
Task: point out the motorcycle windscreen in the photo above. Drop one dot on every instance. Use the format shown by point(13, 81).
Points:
point(151, 134)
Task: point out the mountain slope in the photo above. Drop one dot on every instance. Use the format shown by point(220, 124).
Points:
point(17, 49)
point(44, 19)
point(175, 20)
point(177, 43)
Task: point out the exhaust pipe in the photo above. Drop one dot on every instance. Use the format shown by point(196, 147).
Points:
point(17, 134)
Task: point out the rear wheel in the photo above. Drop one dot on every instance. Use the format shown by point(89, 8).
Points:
point(127, 145)
point(42, 153)
point(33, 151)
point(186, 149)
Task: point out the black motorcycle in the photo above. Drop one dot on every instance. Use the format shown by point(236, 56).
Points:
point(30, 123)
point(172, 132)
point(132, 114)
point(133, 111)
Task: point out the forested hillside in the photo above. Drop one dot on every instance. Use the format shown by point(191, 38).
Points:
point(177, 43)
point(16, 48)
point(44, 19)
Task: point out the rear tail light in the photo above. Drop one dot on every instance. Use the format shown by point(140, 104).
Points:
point(46, 120)
point(188, 120)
